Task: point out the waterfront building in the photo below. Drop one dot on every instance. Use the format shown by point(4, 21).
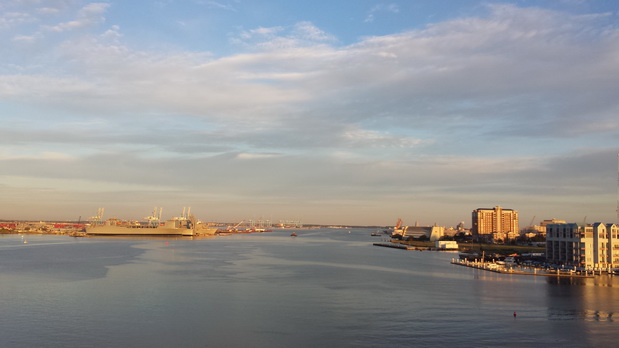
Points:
point(494, 224)
point(432, 233)
point(589, 247)
point(446, 245)
point(543, 224)
point(539, 230)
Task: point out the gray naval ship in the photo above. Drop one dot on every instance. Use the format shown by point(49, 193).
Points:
point(185, 225)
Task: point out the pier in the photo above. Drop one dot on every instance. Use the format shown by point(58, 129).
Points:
point(494, 267)
point(401, 246)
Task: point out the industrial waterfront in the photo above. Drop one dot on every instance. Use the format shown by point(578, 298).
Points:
point(325, 287)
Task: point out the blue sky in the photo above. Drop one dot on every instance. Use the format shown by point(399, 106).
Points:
point(333, 112)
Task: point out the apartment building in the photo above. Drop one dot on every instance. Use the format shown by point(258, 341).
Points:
point(590, 247)
point(494, 224)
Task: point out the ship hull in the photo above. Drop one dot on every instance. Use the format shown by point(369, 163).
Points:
point(140, 231)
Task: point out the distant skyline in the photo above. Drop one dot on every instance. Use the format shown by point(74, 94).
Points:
point(331, 112)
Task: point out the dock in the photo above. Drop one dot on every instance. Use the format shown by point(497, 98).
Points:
point(401, 246)
point(397, 246)
point(493, 267)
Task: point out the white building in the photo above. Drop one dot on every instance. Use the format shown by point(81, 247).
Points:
point(432, 233)
point(447, 245)
point(591, 247)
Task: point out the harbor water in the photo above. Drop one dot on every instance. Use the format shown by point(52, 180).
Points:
point(323, 288)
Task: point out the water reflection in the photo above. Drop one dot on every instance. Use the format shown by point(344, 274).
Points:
point(586, 315)
point(588, 298)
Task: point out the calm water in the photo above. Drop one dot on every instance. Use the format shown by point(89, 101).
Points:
point(326, 288)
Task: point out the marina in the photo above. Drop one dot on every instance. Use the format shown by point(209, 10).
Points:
point(517, 270)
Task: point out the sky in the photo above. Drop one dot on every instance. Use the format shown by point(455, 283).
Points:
point(329, 112)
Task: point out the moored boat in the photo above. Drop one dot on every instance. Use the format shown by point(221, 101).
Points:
point(470, 256)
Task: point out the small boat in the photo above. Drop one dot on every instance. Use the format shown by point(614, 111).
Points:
point(509, 260)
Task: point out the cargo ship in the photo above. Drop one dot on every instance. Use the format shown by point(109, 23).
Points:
point(184, 225)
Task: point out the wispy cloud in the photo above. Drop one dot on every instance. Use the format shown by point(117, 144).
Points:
point(88, 16)
point(274, 38)
point(381, 8)
point(229, 6)
point(10, 19)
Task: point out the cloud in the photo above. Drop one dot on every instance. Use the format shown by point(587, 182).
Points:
point(11, 19)
point(389, 8)
point(26, 38)
point(360, 138)
point(261, 32)
point(48, 10)
point(219, 4)
point(301, 34)
point(516, 66)
point(512, 70)
point(88, 16)
point(250, 156)
point(308, 31)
